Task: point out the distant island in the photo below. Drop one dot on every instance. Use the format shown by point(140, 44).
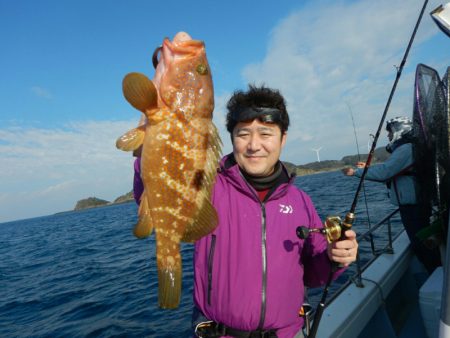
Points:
point(93, 202)
point(380, 155)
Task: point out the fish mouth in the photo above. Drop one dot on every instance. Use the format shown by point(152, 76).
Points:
point(181, 49)
point(185, 47)
point(182, 44)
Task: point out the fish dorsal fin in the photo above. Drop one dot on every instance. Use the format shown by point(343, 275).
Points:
point(204, 223)
point(132, 139)
point(144, 226)
point(140, 92)
point(206, 220)
point(213, 155)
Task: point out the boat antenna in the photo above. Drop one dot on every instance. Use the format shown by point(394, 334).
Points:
point(350, 217)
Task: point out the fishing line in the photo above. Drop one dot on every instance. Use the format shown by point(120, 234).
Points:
point(372, 245)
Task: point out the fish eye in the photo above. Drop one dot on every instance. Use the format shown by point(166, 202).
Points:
point(202, 69)
point(155, 59)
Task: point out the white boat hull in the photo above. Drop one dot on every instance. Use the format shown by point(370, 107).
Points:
point(391, 286)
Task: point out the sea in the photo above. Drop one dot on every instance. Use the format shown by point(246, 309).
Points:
point(84, 274)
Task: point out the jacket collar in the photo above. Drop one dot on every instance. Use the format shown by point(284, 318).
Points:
point(230, 170)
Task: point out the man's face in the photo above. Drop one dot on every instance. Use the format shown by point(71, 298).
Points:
point(257, 146)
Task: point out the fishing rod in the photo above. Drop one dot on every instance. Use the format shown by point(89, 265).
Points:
point(335, 228)
point(380, 126)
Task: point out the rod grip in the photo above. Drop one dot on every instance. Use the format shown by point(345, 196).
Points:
point(347, 223)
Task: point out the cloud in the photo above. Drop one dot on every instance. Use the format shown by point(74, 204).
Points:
point(219, 119)
point(325, 58)
point(41, 92)
point(330, 56)
point(48, 170)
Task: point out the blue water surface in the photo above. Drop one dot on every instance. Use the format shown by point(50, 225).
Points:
point(83, 273)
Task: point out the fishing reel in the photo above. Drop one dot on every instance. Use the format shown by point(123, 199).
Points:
point(333, 230)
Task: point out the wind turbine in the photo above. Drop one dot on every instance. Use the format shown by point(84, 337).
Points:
point(317, 152)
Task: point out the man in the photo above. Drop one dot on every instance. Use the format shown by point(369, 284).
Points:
point(398, 172)
point(251, 272)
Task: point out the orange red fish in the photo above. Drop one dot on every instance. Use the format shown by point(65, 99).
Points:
point(180, 153)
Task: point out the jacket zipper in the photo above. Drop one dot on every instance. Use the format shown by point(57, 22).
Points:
point(264, 267)
point(264, 251)
point(210, 266)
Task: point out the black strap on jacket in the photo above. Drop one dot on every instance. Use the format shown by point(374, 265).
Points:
point(212, 329)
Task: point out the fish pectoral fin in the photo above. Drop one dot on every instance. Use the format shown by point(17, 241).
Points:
point(144, 226)
point(205, 222)
point(140, 92)
point(132, 139)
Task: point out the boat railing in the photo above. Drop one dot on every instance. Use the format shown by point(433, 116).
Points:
point(387, 248)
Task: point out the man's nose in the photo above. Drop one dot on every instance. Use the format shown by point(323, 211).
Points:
point(254, 143)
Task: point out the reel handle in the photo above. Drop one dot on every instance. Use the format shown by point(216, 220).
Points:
point(334, 228)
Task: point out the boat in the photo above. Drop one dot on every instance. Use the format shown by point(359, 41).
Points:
point(392, 295)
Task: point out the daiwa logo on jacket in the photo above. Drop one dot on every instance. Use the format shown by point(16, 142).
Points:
point(286, 209)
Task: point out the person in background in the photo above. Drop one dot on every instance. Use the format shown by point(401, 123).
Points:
point(250, 273)
point(399, 175)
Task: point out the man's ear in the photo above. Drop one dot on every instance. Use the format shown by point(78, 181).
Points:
point(283, 139)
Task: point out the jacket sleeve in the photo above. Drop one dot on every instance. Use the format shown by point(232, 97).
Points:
point(138, 186)
point(400, 159)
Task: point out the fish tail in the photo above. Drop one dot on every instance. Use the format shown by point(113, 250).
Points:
point(169, 270)
point(169, 279)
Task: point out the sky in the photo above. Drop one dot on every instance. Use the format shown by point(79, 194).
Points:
point(62, 65)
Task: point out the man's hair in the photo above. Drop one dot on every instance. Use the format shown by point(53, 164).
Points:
point(262, 103)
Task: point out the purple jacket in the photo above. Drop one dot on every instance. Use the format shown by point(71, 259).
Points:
point(138, 186)
point(252, 270)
